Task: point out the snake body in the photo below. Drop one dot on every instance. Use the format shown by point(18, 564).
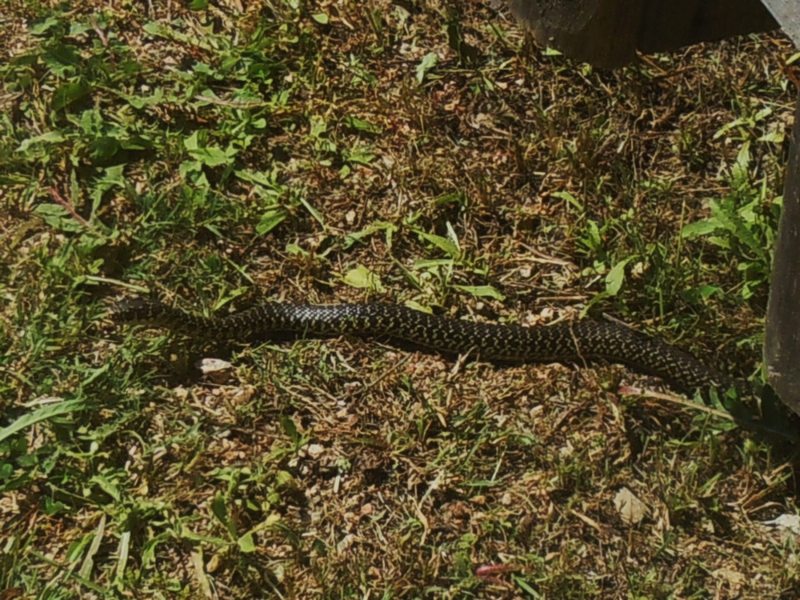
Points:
point(566, 342)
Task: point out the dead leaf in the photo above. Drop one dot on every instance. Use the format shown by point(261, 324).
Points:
point(630, 508)
point(786, 523)
point(734, 579)
point(212, 365)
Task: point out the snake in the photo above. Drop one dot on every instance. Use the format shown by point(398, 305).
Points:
point(580, 341)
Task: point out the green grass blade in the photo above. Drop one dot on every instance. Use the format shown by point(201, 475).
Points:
point(42, 413)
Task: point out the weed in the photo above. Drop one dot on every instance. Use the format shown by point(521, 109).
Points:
point(399, 152)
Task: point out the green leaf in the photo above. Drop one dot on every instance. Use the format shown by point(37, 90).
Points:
point(417, 306)
point(220, 510)
point(76, 548)
point(616, 277)
point(353, 238)
point(563, 195)
point(107, 485)
point(481, 291)
point(742, 165)
point(54, 507)
point(318, 126)
point(312, 211)
point(69, 93)
point(270, 220)
point(63, 60)
point(247, 543)
point(433, 263)
point(458, 198)
point(525, 586)
point(774, 137)
point(212, 156)
point(209, 155)
point(321, 18)
point(51, 137)
point(426, 64)
point(158, 29)
point(699, 228)
point(362, 125)
point(360, 154)
point(44, 26)
point(290, 429)
point(446, 245)
point(262, 179)
point(43, 413)
point(57, 217)
point(361, 277)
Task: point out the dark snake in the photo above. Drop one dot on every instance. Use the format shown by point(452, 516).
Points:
point(581, 341)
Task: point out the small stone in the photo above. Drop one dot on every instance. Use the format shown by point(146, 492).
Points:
point(630, 508)
point(213, 365)
point(315, 450)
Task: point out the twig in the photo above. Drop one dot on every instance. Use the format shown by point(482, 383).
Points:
point(59, 199)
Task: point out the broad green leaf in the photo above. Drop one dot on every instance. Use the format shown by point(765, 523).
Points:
point(44, 26)
point(107, 485)
point(123, 552)
point(362, 125)
point(290, 428)
point(699, 228)
point(212, 156)
point(220, 510)
point(318, 126)
point(361, 277)
point(270, 220)
point(774, 137)
point(209, 155)
point(261, 178)
point(156, 28)
point(360, 154)
point(616, 277)
point(247, 543)
point(51, 137)
point(43, 413)
point(69, 93)
point(426, 64)
point(446, 245)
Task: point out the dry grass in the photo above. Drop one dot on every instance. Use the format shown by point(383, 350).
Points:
point(343, 468)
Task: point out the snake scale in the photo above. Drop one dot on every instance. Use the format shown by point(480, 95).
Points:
point(566, 342)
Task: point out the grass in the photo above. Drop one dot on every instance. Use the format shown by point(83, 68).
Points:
point(421, 153)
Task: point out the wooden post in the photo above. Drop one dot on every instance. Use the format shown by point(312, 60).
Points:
point(607, 33)
point(782, 344)
point(787, 13)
